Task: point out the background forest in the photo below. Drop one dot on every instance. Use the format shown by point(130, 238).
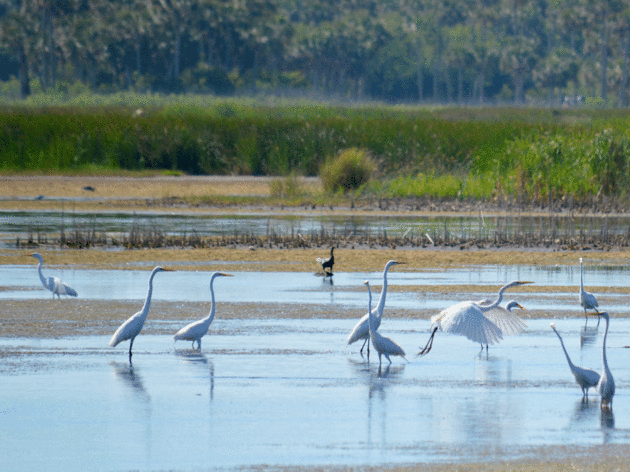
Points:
point(415, 51)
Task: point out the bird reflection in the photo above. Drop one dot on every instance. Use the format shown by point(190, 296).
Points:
point(607, 421)
point(584, 410)
point(129, 376)
point(195, 356)
point(494, 371)
point(378, 380)
point(588, 335)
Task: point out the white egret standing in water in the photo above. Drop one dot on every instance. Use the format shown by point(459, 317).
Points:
point(132, 327)
point(362, 329)
point(606, 384)
point(383, 345)
point(587, 300)
point(586, 378)
point(197, 330)
point(55, 285)
point(468, 319)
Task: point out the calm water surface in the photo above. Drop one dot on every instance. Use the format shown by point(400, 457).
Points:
point(288, 392)
point(22, 282)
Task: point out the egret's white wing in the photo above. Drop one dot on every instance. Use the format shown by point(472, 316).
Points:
point(508, 322)
point(466, 319)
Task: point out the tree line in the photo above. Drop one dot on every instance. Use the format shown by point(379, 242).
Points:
point(412, 51)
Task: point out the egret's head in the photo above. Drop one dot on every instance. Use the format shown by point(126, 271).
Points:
point(514, 304)
point(36, 255)
point(553, 325)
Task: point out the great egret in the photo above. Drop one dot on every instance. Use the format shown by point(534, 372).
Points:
point(383, 345)
point(468, 319)
point(327, 263)
point(586, 378)
point(197, 330)
point(132, 327)
point(55, 285)
point(508, 322)
point(606, 384)
point(362, 329)
point(587, 300)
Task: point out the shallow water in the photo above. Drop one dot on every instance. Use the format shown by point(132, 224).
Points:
point(346, 289)
point(25, 224)
point(288, 392)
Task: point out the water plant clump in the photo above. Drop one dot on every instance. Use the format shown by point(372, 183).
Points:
point(348, 170)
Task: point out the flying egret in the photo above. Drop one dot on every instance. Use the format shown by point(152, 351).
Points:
point(587, 300)
point(327, 263)
point(55, 285)
point(132, 327)
point(197, 330)
point(468, 319)
point(383, 345)
point(606, 384)
point(362, 329)
point(586, 378)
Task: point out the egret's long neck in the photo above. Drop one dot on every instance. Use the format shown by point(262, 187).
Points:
point(210, 316)
point(581, 276)
point(371, 315)
point(496, 303)
point(564, 349)
point(41, 275)
point(604, 361)
point(381, 301)
point(147, 302)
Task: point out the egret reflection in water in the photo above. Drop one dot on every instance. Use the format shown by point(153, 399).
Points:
point(128, 374)
point(378, 381)
point(198, 358)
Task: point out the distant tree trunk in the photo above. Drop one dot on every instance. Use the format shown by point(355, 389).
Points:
point(177, 56)
point(420, 75)
point(25, 85)
point(460, 84)
point(138, 48)
point(449, 85)
point(518, 87)
point(604, 40)
point(624, 76)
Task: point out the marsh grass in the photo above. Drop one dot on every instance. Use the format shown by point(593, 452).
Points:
point(524, 155)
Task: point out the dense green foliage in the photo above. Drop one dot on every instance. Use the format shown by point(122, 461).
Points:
point(450, 51)
point(530, 155)
point(350, 169)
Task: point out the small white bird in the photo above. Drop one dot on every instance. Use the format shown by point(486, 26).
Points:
point(606, 384)
point(362, 329)
point(468, 319)
point(587, 300)
point(55, 285)
point(383, 345)
point(586, 378)
point(197, 330)
point(132, 327)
